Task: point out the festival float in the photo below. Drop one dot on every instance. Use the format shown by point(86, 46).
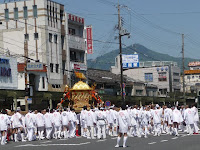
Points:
point(80, 95)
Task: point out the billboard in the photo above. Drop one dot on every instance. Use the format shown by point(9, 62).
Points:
point(89, 40)
point(130, 61)
point(194, 64)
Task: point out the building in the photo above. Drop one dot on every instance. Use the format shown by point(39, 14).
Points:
point(192, 77)
point(165, 75)
point(108, 86)
point(40, 32)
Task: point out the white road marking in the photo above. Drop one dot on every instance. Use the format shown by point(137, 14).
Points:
point(45, 142)
point(164, 141)
point(152, 143)
point(184, 135)
point(101, 140)
point(114, 138)
point(43, 145)
point(174, 138)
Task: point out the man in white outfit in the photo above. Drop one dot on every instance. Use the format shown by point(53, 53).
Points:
point(101, 123)
point(124, 125)
point(57, 124)
point(196, 118)
point(30, 125)
point(83, 122)
point(48, 124)
point(189, 119)
point(4, 123)
point(156, 115)
point(65, 122)
point(177, 119)
point(90, 121)
point(40, 125)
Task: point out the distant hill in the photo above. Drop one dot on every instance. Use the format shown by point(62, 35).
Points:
point(107, 60)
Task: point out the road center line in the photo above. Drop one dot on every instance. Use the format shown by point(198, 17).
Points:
point(101, 140)
point(152, 143)
point(164, 141)
point(174, 138)
point(114, 138)
point(43, 145)
point(45, 142)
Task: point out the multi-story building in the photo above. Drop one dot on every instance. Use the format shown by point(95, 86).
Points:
point(42, 32)
point(192, 77)
point(165, 75)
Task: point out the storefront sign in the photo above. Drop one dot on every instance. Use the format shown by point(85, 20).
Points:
point(194, 64)
point(89, 40)
point(34, 66)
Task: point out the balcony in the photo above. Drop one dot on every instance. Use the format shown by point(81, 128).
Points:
point(76, 42)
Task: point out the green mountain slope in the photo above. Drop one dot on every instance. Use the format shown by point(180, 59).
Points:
point(107, 60)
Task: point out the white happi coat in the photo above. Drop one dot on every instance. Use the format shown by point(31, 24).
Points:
point(90, 118)
point(196, 114)
point(40, 120)
point(145, 117)
point(123, 121)
point(176, 116)
point(4, 122)
point(64, 118)
point(156, 114)
point(189, 116)
point(48, 120)
point(101, 118)
point(30, 120)
point(16, 120)
point(168, 115)
point(134, 117)
point(57, 119)
point(83, 118)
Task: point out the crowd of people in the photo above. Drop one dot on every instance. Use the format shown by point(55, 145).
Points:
point(97, 123)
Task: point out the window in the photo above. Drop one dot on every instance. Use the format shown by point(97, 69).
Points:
point(36, 36)
point(163, 91)
point(6, 14)
point(62, 41)
point(55, 38)
point(26, 37)
point(43, 82)
point(148, 77)
point(176, 74)
point(50, 37)
point(48, 11)
point(57, 67)
point(176, 80)
point(56, 86)
point(51, 67)
point(77, 56)
point(25, 12)
point(139, 92)
point(16, 13)
point(56, 15)
point(162, 76)
point(61, 15)
point(72, 31)
point(35, 11)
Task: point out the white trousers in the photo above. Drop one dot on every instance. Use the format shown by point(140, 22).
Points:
point(48, 132)
point(90, 132)
point(30, 134)
point(101, 131)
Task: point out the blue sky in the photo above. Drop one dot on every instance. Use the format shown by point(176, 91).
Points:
point(155, 24)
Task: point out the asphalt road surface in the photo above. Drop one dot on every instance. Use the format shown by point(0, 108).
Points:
point(164, 142)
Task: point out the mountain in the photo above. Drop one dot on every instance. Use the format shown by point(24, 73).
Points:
point(107, 60)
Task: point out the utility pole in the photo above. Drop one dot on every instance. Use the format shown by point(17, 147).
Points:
point(25, 65)
point(183, 68)
point(120, 54)
point(122, 32)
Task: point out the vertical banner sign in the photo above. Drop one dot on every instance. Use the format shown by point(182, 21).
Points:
point(89, 40)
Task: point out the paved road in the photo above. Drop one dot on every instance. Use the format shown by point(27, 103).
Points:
point(164, 142)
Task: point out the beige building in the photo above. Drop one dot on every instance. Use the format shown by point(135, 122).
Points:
point(42, 31)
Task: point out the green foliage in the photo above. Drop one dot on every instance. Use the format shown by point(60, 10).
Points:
point(107, 60)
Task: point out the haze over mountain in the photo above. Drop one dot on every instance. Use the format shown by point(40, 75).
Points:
point(107, 60)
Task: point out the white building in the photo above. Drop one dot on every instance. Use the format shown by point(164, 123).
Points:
point(42, 31)
point(192, 77)
point(165, 75)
